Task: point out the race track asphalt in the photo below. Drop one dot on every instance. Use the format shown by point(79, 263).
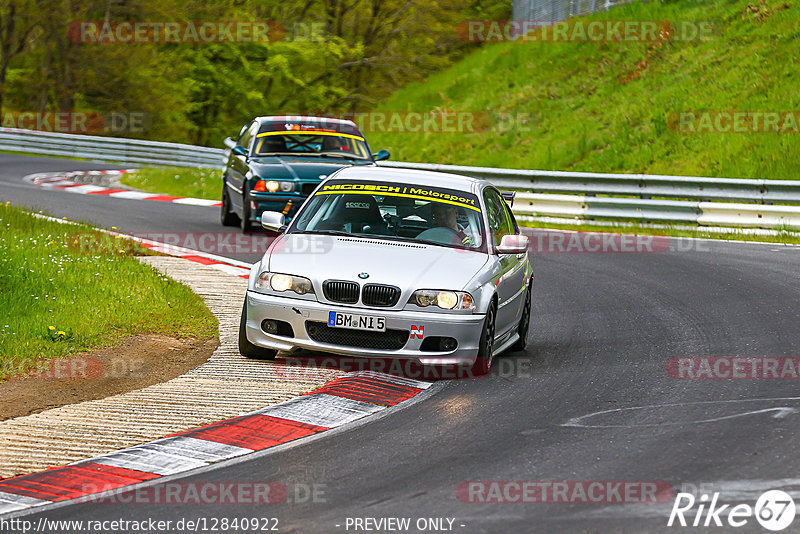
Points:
point(604, 327)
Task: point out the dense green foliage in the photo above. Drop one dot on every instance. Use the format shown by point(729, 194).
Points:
point(325, 55)
point(578, 105)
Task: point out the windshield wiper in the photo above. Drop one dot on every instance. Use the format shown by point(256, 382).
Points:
point(399, 238)
point(336, 155)
point(438, 243)
point(306, 154)
point(325, 232)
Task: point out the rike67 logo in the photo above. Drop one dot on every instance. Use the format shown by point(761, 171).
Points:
point(774, 510)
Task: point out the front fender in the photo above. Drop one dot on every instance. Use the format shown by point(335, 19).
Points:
point(255, 270)
point(482, 286)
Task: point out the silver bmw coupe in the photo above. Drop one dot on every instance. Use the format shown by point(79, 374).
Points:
point(419, 266)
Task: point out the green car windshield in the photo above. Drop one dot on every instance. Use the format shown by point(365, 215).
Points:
point(333, 144)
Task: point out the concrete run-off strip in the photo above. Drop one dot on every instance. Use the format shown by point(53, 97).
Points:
point(225, 386)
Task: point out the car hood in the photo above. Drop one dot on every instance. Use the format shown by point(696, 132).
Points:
point(292, 169)
point(409, 266)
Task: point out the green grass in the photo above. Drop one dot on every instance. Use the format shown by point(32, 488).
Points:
point(20, 153)
point(578, 112)
point(177, 181)
point(67, 288)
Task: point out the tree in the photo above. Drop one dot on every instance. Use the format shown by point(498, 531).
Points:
point(18, 19)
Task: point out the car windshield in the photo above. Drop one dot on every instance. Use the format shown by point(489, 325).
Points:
point(404, 212)
point(330, 144)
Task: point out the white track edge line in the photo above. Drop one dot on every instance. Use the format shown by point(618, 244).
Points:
point(347, 427)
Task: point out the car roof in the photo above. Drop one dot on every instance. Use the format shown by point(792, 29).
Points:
point(412, 176)
point(300, 123)
point(304, 118)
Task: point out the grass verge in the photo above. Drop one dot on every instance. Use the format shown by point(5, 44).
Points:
point(68, 288)
point(608, 106)
point(177, 181)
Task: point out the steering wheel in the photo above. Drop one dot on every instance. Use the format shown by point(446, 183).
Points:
point(440, 234)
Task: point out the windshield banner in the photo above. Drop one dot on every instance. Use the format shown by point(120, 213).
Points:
point(418, 192)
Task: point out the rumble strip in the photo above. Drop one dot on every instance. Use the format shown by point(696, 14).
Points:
point(351, 397)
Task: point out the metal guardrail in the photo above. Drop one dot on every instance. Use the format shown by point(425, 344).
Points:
point(108, 149)
point(573, 195)
point(639, 185)
point(583, 195)
point(547, 12)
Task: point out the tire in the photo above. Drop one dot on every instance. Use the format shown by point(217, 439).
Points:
point(247, 349)
point(246, 224)
point(227, 217)
point(524, 324)
point(483, 363)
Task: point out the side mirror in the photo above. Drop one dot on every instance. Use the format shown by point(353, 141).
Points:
point(273, 221)
point(513, 244)
point(381, 155)
point(239, 150)
point(230, 143)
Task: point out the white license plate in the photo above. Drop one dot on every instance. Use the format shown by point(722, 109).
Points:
point(356, 321)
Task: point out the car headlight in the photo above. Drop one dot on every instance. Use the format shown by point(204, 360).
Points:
point(273, 186)
point(284, 282)
point(447, 300)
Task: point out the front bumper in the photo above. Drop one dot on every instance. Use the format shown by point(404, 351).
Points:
point(262, 202)
point(465, 328)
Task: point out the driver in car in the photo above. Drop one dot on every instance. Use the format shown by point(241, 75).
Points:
point(446, 216)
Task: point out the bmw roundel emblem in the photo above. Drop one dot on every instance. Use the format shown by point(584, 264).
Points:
point(363, 276)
